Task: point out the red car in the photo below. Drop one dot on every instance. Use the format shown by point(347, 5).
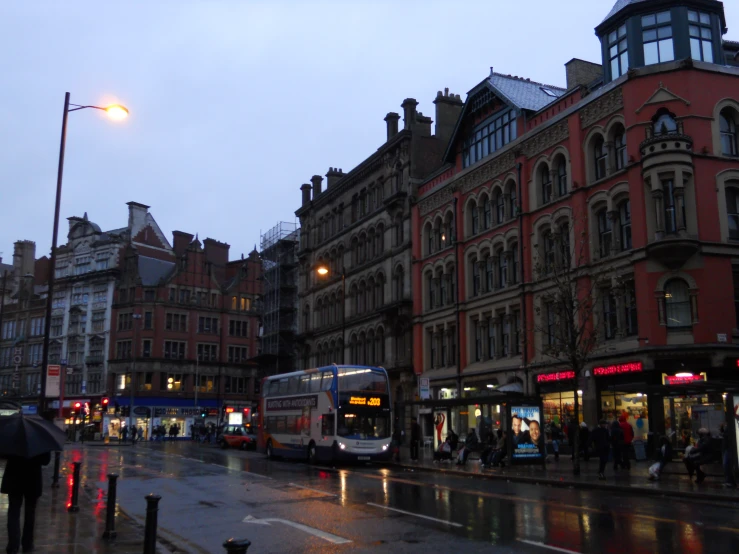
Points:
point(238, 436)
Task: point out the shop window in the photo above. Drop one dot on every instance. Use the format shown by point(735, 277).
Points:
point(677, 304)
point(727, 127)
point(559, 408)
point(657, 38)
point(624, 214)
point(632, 406)
point(605, 233)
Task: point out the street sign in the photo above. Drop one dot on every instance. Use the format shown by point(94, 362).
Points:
point(84, 387)
point(63, 361)
point(53, 380)
point(423, 388)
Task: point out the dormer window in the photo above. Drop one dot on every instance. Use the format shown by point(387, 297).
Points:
point(618, 52)
point(701, 44)
point(491, 135)
point(657, 37)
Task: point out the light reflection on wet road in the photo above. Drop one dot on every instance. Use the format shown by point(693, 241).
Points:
point(232, 485)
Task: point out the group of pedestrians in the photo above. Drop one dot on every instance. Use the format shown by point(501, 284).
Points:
point(137, 434)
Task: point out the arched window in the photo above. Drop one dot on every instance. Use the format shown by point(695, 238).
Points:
point(514, 262)
point(371, 296)
point(380, 291)
point(545, 180)
point(380, 238)
point(548, 251)
point(380, 346)
point(624, 215)
point(431, 291)
point(499, 207)
point(665, 123)
point(489, 275)
point(605, 233)
point(677, 304)
point(502, 269)
point(429, 234)
point(475, 218)
point(600, 152)
point(513, 206)
point(619, 142)
point(476, 276)
point(443, 288)
point(727, 126)
point(732, 211)
point(488, 213)
point(398, 284)
point(562, 177)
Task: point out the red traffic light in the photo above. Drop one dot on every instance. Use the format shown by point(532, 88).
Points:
point(246, 411)
point(105, 402)
point(77, 405)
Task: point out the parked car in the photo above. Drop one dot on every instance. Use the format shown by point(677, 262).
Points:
point(238, 436)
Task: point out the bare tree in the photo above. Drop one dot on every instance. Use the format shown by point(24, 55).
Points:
point(568, 288)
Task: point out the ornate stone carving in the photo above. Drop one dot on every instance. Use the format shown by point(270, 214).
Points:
point(486, 172)
point(435, 200)
point(546, 139)
point(602, 107)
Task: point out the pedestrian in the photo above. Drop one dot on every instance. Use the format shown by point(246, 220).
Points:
point(572, 430)
point(415, 439)
point(133, 434)
point(729, 480)
point(556, 434)
point(617, 444)
point(628, 432)
point(453, 439)
point(397, 438)
point(601, 446)
point(584, 441)
point(124, 433)
point(22, 483)
point(499, 454)
point(444, 453)
point(664, 456)
point(700, 454)
point(140, 432)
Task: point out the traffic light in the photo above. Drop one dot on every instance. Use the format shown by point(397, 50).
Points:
point(203, 413)
point(105, 402)
point(76, 408)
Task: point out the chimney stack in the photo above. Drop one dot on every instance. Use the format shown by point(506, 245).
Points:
point(581, 73)
point(317, 181)
point(305, 189)
point(448, 109)
point(24, 257)
point(333, 176)
point(136, 217)
point(180, 242)
point(423, 125)
point(409, 112)
point(391, 120)
point(216, 252)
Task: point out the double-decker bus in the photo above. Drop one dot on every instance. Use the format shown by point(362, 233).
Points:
point(339, 412)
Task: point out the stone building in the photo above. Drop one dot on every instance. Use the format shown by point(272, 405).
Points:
point(358, 232)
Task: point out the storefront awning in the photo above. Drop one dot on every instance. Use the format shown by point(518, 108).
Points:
point(511, 387)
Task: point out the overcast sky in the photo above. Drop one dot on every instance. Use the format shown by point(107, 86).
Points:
point(235, 103)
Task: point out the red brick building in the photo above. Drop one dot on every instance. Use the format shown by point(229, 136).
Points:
point(185, 326)
point(632, 168)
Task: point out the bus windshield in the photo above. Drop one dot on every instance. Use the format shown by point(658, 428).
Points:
point(358, 379)
point(362, 427)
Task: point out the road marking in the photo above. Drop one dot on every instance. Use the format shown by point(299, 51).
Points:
point(310, 489)
point(415, 515)
point(315, 532)
point(542, 545)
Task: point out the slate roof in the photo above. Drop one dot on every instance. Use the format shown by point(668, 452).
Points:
point(620, 5)
point(522, 93)
point(4, 268)
point(152, 271)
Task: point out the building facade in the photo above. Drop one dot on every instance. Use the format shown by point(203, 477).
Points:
point(183, 335)
point(631, 175)
point(357, 309)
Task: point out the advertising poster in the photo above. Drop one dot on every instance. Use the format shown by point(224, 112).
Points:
point(53, 380)
point(527, 436)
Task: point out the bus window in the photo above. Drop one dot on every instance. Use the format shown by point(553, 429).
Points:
point(327, 425)
point(328, 379)
point(280, 425)
point(274, 388)
point(283, 386)
point(315, 382)
point(293, 384)
point(304, 384)
point(290, 425)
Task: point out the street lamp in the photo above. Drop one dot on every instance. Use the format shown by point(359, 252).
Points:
point(117, 112)
point(323, 270)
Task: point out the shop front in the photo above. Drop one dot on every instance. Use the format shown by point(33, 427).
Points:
point(153, 416)
point(557, 393)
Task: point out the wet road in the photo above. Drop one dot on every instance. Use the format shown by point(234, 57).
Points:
point(209, 495)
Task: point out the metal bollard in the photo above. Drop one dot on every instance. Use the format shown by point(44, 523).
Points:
point(110, 510)
point(234, 546)
point(150, 529)
point(74, 504)
point(55, 480)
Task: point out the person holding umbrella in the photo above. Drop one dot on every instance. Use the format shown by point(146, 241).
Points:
point(27, 443)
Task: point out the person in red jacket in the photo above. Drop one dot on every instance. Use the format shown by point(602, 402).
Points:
point(628, 431)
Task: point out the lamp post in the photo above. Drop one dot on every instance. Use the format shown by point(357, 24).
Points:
point(136, 318)
point(116, 112)
point(323, 270)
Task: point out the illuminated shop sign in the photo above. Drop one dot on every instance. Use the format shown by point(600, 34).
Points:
point(618, 369)
point(365, 401)
point(683, 378)
point(558, 376)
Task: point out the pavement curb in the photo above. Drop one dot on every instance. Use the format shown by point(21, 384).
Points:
point(561, 483)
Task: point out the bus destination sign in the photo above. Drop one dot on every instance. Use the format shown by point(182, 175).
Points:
point(365, 401)
point(292, 403)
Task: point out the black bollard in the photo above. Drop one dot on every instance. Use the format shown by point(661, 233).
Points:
point(110, 511)
point(150, 529)
point(55, 480)
point(74, 505)
point(234, 546)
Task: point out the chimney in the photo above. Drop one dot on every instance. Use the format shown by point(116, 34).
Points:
point(448, 109)
point(216, 252)
point(423, 125)
point(391, 120)
point(180, 242)
point(136, 217)
point(582, 73)
point(333, 176)
point(317, 181)
point(305, 189)
point(409, 112)
point(24, 258)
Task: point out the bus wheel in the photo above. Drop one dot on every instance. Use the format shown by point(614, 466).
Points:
point(312, 457)
point(270, 453)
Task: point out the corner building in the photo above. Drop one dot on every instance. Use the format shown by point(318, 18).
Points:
point(358, 229)
point(636, 163)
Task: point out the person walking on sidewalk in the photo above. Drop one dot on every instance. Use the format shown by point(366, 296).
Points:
point(124, 433)
point(617, 443)
point(601, 446)
point(700, 454)
point(572, 430)
point(584, 441)
point(628, 432)
point(22, 483)
point(415, 439)
point(133, 434)
point(397, 439)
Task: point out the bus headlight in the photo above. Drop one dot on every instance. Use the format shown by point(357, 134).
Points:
point(342, 446)
point(384, 446)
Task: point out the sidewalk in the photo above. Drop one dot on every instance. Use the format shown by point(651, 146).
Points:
point(673, 483)
point(60, 532)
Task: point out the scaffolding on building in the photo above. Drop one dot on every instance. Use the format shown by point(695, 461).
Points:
point(278, 248)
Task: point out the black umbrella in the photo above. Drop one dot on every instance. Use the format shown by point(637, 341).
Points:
point(29, 436)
